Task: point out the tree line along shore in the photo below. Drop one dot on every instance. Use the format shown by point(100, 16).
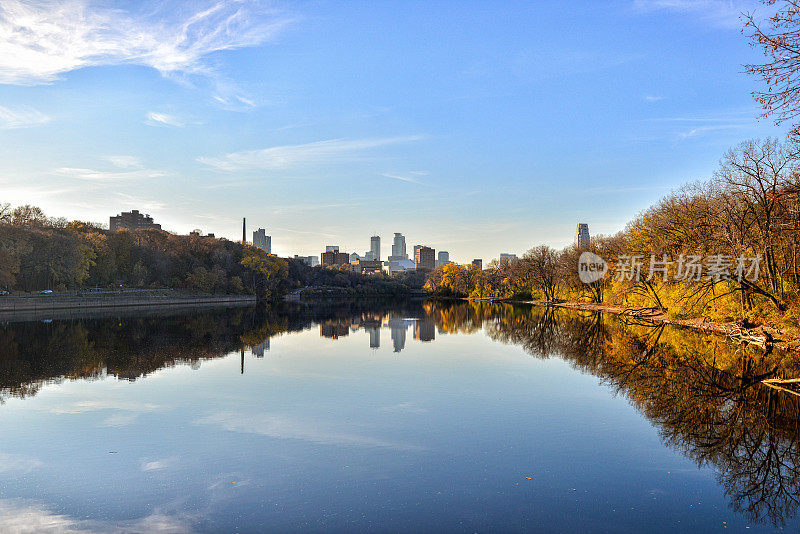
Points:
point(44, 253)
point(749, 209)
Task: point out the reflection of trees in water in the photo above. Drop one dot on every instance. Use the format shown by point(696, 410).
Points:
point(35, 353)
point(702, 392)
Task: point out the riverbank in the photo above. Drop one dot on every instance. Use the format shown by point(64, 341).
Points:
point(38, 305)
point(762, 336)
point(332, 292)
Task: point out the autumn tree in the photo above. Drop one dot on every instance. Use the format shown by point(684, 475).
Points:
point(778, 37)
point(5, 213)
point(28, 216)
point(543, 264)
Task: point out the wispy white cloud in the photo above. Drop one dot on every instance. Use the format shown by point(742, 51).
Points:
point(40, 41)
point(720, 13)
point(226, 95)
point(721, 118)
point(128, 168)
point(23, 516)
point(315, 233)
point(684, 127)
point(286, 427)
point(153, 466)
point(705, 129)
point(125, 162)
point(123, 413)
point(285, 209)
point(412, 177)
point(653, 98)
point(291, 156)
point(155, 118)
point(93, 175)
point(18, 463)
point(23, 117)
point(142, 203)
point(119, 420)
point(105, 404)
point(157, 465)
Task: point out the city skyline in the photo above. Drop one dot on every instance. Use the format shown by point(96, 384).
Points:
point(134, 220)
point(300, 118)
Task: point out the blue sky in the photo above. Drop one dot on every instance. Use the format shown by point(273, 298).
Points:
point(478, 127)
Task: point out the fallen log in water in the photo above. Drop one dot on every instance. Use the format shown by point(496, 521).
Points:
point(775, 383)
point(745, 335)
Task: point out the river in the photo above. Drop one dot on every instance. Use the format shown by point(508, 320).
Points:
point(391, 416)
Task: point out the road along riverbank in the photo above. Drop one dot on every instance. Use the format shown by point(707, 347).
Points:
point(36, 305)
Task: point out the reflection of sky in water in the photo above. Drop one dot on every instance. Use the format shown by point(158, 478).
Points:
point(342, 429)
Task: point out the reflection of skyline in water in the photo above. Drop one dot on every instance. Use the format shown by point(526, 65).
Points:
point(703, 394)
point(259, 350)
point(424, 329)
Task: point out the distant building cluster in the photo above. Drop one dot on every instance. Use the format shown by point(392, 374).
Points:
point(371, 262)
point(199, 233)
point(311, 261)
point(132, 220)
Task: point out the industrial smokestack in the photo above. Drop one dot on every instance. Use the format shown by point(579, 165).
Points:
point(244, 230)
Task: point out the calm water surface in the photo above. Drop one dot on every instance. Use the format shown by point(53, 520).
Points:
point(390, 417)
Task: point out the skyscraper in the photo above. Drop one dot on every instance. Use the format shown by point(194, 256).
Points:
point(398, 327)
point(424, 258)
point(374, 336)
point(399, 247)
point(262, 240)
point(375, 247)
point(582, 235)
point(424, 330)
